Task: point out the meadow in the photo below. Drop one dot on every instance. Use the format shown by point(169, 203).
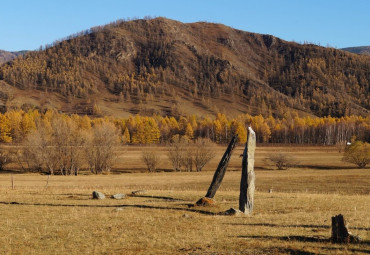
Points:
point(295, 218)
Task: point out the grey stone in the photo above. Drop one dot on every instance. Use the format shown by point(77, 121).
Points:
point(139, 192)
point(248, 178)
point(232, 212)
point(98, 195)
point(118, 196)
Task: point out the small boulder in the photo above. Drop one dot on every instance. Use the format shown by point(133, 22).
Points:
point(232, 212)
point(98, 195)
point(118, 196)
point(138, 192)
point(205, 201)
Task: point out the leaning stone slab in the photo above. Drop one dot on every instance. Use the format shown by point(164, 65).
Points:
point(221, 169)
point(98, 195)
point(118, 196)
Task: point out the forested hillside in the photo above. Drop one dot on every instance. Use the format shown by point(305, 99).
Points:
point(171, 68)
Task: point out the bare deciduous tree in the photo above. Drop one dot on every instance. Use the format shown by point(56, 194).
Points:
point(57, 146)
point(203, 152)
point(176, 153)
point(282, 161)
point(151, 159)
point(184, 153)
point(187, 158)
point(100, 149)
point(4, 159)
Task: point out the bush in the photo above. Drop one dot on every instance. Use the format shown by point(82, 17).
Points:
point(151, 160)
point(4, 159)
point(282, 161)
point(357, 153)
point(203, 152)
point(176, 152)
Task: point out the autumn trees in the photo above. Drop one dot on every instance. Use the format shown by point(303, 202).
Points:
point(184, 153)
point(62, 144)
point(292, 129)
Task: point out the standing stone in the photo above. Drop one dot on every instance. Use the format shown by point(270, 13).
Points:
point(248, 177)
point(98, 195)
point(221, 169)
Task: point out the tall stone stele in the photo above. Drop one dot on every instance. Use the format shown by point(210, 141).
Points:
point(248, 178)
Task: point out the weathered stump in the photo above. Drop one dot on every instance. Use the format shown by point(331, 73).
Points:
point(339, 231)
point(221, 169)
point(248, 177)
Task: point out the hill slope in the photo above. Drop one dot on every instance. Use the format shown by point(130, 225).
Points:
point(365, 50)
point(169, 67)
point(6, 56)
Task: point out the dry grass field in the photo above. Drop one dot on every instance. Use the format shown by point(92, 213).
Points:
point(294, 219)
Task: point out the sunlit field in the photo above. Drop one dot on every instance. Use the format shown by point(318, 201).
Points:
point(59, 216)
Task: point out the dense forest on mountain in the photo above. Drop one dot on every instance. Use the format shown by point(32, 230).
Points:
point(161, 66)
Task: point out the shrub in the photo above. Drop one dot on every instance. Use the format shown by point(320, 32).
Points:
point(357, 153)
point(203, 152)
point(151, 159)
point(4, 159)
point(282, 161)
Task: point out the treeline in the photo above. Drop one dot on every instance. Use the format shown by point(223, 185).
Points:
point(17, 126)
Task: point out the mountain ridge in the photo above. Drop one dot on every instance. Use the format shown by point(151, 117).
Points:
point(170, 68)
point(6, 56)
point(365, 50)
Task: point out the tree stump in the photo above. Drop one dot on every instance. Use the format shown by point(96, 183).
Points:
point(248, 177)
point(339, 231)
point(221, 169)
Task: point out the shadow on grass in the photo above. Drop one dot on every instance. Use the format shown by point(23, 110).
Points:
point(323, 167)
point(291, 226)
point(312, 239)
point(114, 206)
point(291, 238)
point(170, 199)
point(295, 251)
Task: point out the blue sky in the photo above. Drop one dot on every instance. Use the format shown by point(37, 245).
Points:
point(26, 25)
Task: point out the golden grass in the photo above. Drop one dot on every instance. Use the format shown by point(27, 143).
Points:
point(295, 218)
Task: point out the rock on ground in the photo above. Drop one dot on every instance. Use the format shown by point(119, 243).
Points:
point(118, 196)
point(98, 195)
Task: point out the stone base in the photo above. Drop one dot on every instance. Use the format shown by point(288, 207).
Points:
point(232, 212)
point(205, 201)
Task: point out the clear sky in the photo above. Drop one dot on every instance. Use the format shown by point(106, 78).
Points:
point(28, 24)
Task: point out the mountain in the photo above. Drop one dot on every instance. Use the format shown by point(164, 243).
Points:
point(365, 50)
point(168, 67)
point(6, 56)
